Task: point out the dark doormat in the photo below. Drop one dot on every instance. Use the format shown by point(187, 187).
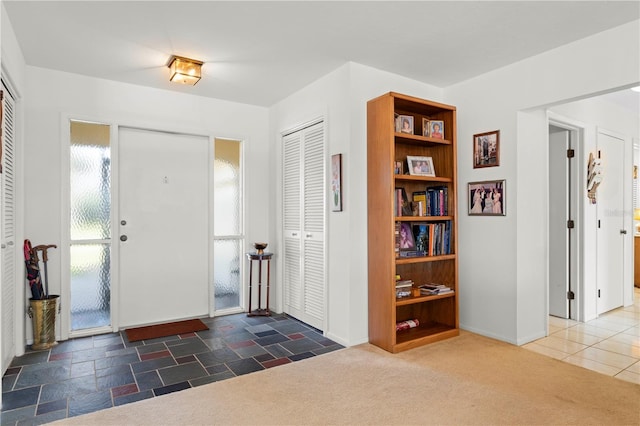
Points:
point(163, 330)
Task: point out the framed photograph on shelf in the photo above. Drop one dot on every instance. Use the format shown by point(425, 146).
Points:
point(407, 240)
point(486, 149)
point(404, 124)
point(436, 129)
point(421, 166)
point(487, 198)
point(425, 127)
point(336, 183)
point(398, 167)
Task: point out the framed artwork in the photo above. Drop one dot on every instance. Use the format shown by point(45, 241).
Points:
point(487, 198)
point(426, 131)
point(436, 129)
point(420, 166)
point(486, 149)
point(336, 183)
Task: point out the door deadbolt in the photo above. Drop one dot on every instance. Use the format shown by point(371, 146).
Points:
point(123, 222)
point(123, 238)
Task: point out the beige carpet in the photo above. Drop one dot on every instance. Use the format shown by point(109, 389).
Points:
point(467, 380)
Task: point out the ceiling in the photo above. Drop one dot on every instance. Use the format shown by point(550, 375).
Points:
point(262, 51)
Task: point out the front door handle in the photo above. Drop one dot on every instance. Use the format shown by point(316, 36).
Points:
point(623, 231)
point(123, 238)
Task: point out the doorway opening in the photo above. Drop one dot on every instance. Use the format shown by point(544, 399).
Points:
point(563, 220)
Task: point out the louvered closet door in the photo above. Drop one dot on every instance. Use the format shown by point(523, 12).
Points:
point(8, 231)
point(304, 223)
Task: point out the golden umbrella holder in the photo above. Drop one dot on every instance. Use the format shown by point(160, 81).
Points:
point(43, 314)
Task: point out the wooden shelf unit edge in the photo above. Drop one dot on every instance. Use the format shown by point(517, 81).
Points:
point(422, 218)
point(422, 337)
point(421, 259)
point(412, 139)
point(413, 99)
point(422, 178)
point(420, 299)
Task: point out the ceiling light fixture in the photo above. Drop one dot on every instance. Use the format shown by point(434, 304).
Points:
point(185, 70)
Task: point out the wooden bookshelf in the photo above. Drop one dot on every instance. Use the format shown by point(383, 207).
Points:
point(437, 314)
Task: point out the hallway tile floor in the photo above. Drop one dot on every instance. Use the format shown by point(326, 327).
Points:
point(83, 375)
point(609, 344)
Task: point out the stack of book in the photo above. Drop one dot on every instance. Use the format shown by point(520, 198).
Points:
point(431, 289)
point(403, 288)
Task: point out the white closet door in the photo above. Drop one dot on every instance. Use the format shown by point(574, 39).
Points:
point(304, 224)
point(313, 257)
point(8, 231)
point(292, 227)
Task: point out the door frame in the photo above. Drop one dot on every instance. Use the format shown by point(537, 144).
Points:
point(576, 131)
point(115, 124)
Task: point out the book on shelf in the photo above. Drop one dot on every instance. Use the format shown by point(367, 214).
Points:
point(404, 283)
point(433, 239)
point(420, 203)
point(437, 201)
point(431, 289)
point(404, 288)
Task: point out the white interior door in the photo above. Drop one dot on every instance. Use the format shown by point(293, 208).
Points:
point(558, 216)
point(8, 237)
point(163, 218)
point(610, 238)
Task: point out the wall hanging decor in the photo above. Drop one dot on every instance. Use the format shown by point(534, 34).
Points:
point(594, 176)
point(336, 183)
point(486, 149)
point(487, 198)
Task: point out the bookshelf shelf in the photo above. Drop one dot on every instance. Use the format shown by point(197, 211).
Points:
point(419, 299)
point(410, 178)
point(422, 218)
point(387, 149)
point(421, 259)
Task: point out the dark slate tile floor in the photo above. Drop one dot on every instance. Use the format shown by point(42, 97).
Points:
point(83, 375)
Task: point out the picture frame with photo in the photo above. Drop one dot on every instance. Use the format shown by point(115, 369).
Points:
point(420, 166)
point(404, 124)
point(486, 149)
point(436, 129)
point(398, 167)
point(426, 130)
point(407, 240)
point(487, 198)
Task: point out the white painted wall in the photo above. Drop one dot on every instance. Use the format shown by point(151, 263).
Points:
point(508, 300)
point(51, 95)
point(341, 98)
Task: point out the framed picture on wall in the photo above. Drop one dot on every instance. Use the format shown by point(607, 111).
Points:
point(336, 183)
point(486, 149)
point(487, 198)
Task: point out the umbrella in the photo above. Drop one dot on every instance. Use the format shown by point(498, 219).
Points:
point(33, 271)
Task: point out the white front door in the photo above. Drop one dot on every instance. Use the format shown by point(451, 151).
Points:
point(610, 209)
point(162, 227)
